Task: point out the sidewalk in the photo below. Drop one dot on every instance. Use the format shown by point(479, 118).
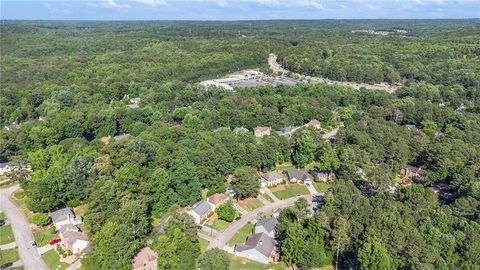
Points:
point(8, 246)
point(45, 248)
point(270, 193)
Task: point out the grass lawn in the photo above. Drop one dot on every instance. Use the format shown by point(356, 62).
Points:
point(52, 259)
point(20, 200)
point(6, 234)
point(284, 167)
point(289, 190)
point(238, 263)
point(266, 196)
point(241, 235)
point(2, 215)
point(250, 204)
point(43, 235)
point(203, 244)
point(219, 225)
point(321, 186)
point(8, 255)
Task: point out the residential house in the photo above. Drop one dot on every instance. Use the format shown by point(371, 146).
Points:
point(259, 247)
point(105, 139)
point(12, 126)
point(121, 137)
point(267, 226)
point(73, 239)
point(412, 172)
point(145, 259)
point(65, 216)
point(286, 132)
point(298, 176)
point(200, 211)
point(217, 199)
point(262, 131)
point(5, 168)
point(271, 179)
point(315, 124)
point(238, 130)
point(322, 175)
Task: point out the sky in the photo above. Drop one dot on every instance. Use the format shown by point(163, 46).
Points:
point(236, 9)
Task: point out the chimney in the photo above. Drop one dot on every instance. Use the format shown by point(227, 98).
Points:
point(260, 242)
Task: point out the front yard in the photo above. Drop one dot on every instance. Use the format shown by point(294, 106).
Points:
point(250, 204)
point(8, 255)
point(44, 235)
point(52, 259)
point(241, 235)
point(289, 190)
point(321, 186)
point(203, 244)
point(6, 234)
point(238, 263)
point(218, 224)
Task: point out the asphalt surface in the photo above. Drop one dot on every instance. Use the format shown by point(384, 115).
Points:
point(21, 230)
point(222, 239)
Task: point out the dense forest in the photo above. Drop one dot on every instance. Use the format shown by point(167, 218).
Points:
point(65, 83)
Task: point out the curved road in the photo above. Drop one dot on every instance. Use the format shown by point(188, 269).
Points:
point(21, 230)
point(222, 239)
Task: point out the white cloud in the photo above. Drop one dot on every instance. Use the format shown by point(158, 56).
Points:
point(108, 4)
point(59, 8)
point(373, 7)
point(311, 3)
point(153, 3)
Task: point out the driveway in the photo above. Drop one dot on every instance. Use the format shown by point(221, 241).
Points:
point(21, 230)
point(222, 239)
point(310, 187)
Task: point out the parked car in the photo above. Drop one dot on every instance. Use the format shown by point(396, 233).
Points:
point(6, 265)
point(238, 218)
point(2, 222)
point(307, 184)
point(54, 241)
point(33, 244)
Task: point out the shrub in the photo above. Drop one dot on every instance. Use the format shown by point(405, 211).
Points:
point(226, 212)
point(40, 219)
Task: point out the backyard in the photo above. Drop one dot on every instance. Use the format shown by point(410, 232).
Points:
point(6, 234)
point(241, 235)
point(203, 244)
point(321, 186)
point(8, 255)
point(250, 204)
point(52, 259)
point(289, 190)
point(238, 263)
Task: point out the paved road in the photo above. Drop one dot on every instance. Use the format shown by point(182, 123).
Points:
point(21, 230)
point(222, 239)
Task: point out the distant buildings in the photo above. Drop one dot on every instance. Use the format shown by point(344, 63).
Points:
point(122, 136)
point(260, 131)
point(412, 172)
point(12, 126)
point(201, 210)
point(145, 259)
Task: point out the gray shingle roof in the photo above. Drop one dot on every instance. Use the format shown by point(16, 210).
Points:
point(201, 207)
point(268, 223)
point(61, 214)
point(260, 242)
point(271, 176)
point(300, 174)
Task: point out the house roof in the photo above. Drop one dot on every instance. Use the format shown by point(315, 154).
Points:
point(145, 254)
point(268, 223)
point(240, 130)
point(413, 169)
point(262, 129)
point(67, 227)
point(300, 174)
point(271, 176)
point(4, 165)
point(260, 242)
point(201, 207)
point(217, 198)
point(61, 214)
point(313, 122)
point(72, 236)
point(121, 136)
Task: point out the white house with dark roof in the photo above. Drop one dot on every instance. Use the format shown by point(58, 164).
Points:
point(259, 247)
point(65, 216)
point(267, 226)
point(298, 176)
point(269, 179)
point(200, 211)
point(73, 239)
